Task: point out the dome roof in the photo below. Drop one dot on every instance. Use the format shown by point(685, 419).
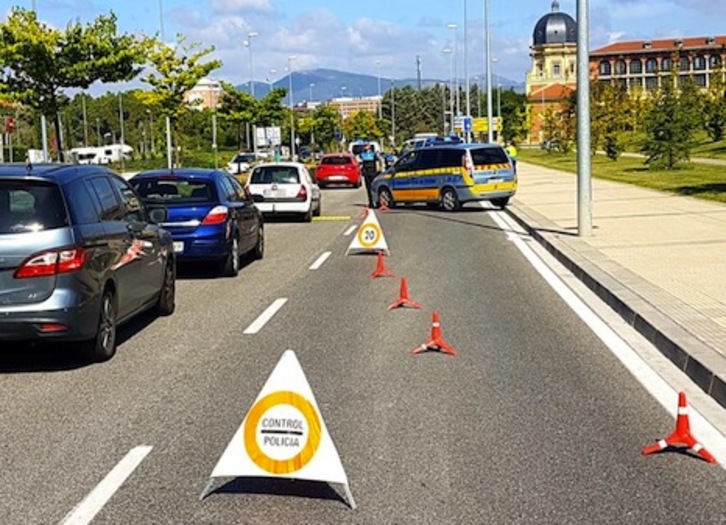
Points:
point(555, 28)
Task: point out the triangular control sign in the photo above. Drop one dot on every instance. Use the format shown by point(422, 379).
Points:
point(283, 435)
point(369, 237)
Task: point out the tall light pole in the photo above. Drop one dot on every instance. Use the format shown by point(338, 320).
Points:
point(488, 40)
point(248, 44)
point(393, 112)
point(121, 124)
point(450, 52)
point(85, 120)
point(292, 111)
point(312, 85)
point(478, 97)
point(497, 80)
point(584, 179)
point(466, 68)
point(161, 21)
point(380, 100)
point(455, 57)
point(269, 79)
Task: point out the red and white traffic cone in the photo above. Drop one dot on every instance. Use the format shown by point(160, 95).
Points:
point(403, 299)
point(682, 435)
point(381, 270)
point(382, 205)
point(437, 340)
point(364, 213)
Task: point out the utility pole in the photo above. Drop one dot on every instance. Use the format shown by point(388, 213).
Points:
point(380, 99)
point(292, 109)
point(584, 178)
point(488, 40)
point(85, 121)
point(418, 71)
point(466, 68)
point(121, 122)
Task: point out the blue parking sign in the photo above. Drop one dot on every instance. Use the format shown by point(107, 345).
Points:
point(467, 124)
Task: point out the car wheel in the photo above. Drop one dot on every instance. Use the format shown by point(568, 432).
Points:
point(230, 265)
point(501, 203)
point(167, 296)
point(103, 346)
point(358, 184)
point(259, 250)
point(384, 196)
point(319, 209)
point(449, 200)
point(308, 215)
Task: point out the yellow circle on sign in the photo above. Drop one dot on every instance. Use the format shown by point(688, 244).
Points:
point(302, 458)
point(368, 235)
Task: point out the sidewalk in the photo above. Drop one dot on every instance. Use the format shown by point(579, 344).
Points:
point(659, 260)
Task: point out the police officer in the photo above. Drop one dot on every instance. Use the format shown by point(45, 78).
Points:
point(512, 152)
point(369, 166)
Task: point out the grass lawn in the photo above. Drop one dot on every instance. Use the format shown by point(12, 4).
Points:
point(697, 180)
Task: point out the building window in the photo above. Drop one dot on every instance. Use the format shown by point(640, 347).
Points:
point(715, 61)
point(651, 65)
point(621, 67)
point(665, 64)
point(623, 83)
point(700, 80)
point(605, 68)
point(556, 70)
point(636, 83)
point(684, 64)
point(636, 67)
point(651, 83)
point(699, 63)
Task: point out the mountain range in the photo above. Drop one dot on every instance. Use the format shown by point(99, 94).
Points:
point(326, 84)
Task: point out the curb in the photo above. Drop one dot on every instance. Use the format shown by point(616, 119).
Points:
point(625, 292)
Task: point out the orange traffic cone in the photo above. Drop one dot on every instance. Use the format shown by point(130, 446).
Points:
point(437, 341)
point(403, 299)
point(381, 270)
point(682, 435)
point(382, 206)
point(364, 213)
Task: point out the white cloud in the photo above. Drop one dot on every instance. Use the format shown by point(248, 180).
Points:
point(240, 6)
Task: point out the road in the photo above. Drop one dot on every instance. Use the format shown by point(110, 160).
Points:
point(535, 422)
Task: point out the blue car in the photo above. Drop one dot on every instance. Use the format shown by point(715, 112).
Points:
point(211, 216)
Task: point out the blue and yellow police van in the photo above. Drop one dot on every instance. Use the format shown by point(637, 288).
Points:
point(448, 175)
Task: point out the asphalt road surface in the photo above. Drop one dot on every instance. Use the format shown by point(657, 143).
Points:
point(535, 422)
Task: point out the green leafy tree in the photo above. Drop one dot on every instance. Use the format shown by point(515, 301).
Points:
point(714, 111)
point(326, 122)
point(670, 125)
point(514, 115)
point(38, 62)
point(176, 70)
point(361, 124)
point(610, 108)
point(239, 108)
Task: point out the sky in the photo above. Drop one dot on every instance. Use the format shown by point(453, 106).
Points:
point(355, 36)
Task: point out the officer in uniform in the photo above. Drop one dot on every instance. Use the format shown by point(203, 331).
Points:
point(369, 165)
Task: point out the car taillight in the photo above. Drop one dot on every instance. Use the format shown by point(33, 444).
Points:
point(52, 262)
point(303, 193)
point(217, 215)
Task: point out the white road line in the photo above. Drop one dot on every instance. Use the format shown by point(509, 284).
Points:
point(265, 316)
point(655, 385)
point(350, 230)
point(320, 260)
point(87, 509)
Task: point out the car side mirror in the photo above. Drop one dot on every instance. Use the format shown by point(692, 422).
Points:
point(158, 215)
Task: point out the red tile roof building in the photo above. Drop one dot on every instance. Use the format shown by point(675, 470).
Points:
point(642, 64)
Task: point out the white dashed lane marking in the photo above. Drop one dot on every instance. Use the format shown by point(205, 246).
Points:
point(265, 316)
point(350, 230)
point(87, 509)
point(320, 260)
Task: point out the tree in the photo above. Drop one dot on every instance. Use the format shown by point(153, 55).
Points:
point(238, 107)
point(177, 68)
point(38, 62)
point(714, 111)
point(361, 125)
point(609, 110)
point(326, 124)
point(670, 125)
point(514, 115)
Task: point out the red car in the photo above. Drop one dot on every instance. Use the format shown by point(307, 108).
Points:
point(338, 168)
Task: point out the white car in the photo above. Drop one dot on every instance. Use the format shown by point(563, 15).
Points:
point(285, 188)
point(241, 163)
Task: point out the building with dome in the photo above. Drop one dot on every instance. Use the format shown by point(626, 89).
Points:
point(205, 95)
point(553, 76)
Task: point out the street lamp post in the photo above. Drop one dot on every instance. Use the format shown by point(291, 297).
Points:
point(488, 40)
point(380, 100)
point(85, 121)
point(450, 52)
point(466, 68)
point(498, 81)
point(121, 123)
point(478, 96)
point(312, 85)
point(455, 58)
point(292, 111)
point(269, 79)
point(393, 112)
point(584, 179)
point(248, 44)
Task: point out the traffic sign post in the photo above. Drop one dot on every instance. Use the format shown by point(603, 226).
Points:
point(467, 124)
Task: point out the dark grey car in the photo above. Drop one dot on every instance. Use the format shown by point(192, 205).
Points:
point(79, 255)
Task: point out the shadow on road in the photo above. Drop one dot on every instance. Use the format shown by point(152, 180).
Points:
point(280, 487)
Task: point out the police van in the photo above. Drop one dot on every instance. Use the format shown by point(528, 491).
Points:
point(448, 176)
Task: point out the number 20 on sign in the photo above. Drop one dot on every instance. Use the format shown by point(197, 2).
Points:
point(369, 235)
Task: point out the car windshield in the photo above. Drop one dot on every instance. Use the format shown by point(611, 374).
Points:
point(30, 207)
point(175, 190)
point(275, 175)
point(337, 160)
point(244, 157)
point(483, 156)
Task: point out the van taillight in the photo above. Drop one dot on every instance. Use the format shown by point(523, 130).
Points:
point(52, 262)
point(303, 193)
point(217, 215)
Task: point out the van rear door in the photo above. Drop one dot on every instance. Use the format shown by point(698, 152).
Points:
point(491, 165)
